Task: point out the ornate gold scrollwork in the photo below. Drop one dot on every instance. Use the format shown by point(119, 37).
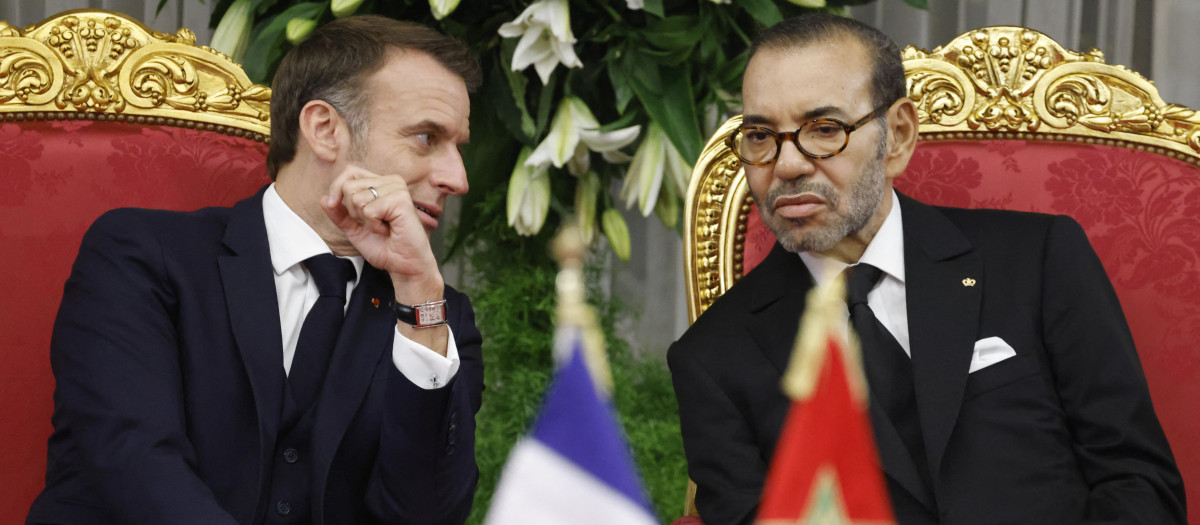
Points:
point(716, 192)
point(100, 62)
point(1011, 80)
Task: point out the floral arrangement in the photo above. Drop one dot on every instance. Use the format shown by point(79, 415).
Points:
point(587, 105)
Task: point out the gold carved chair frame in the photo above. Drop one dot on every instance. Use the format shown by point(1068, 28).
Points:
point(102, 65)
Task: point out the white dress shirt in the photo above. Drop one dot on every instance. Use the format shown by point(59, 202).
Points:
point(888, 299)
point(291, 241)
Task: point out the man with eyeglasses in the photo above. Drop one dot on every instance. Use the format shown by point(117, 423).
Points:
point(1004, 384)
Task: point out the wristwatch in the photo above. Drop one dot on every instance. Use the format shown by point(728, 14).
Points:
point(424, 315)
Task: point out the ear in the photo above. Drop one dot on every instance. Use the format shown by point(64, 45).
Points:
point(323, 130)
point(902, 137)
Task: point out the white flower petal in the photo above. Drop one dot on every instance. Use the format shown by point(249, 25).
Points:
point(560, 143)
point(545, 67)
point(635, 4)
point(530, 50)
point(565, 53)
point(528, 199)
point(644, 178)
point(605, 141)
point(678, 168)
point(556, 15)
point(615, 157)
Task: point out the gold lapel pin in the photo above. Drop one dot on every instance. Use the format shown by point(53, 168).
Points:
point(968, 282)
point(375, 302)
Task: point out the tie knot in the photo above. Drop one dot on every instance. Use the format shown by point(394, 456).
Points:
point(860, 278)
point(330, 273)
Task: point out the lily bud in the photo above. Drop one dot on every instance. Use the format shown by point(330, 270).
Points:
point(585, 205)
point(298, 29)
point(344, 8)
point(442, 8)
point(232, 35)
point(617, 232)
point(528, 196)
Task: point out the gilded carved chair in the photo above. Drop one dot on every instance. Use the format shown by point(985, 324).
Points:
point(1011, 119)
point(96, 112)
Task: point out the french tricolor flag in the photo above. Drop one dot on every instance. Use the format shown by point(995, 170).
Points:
point(575, 466)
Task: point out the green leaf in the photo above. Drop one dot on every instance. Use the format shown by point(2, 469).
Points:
point(674, 32)
point(622, 92)
point(654, 7)
point(270, 43)
point(546, 105)
point(765, 11)
point(673, 106)
point(496, 91)
point(516, 82)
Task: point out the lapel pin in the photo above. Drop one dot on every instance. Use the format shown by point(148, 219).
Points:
point(968, 282)
point(375, 302)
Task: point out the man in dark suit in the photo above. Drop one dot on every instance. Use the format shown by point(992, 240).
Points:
point(196, 382)
point(1005, 387)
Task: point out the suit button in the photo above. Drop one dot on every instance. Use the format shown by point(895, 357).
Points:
point(291, 456)
point(283, 508)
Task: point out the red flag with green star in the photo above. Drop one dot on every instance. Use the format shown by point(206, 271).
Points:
point(826, 467)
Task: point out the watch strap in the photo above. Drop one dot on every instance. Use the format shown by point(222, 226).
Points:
point(424, 315)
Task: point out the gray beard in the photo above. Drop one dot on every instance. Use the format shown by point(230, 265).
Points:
point(865, 196)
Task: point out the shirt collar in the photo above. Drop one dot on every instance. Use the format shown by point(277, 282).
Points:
point(886, 251)
point(292, 240)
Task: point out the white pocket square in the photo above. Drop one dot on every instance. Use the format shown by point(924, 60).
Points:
point(988, 352)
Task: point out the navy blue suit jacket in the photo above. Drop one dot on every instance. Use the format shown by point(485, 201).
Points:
point(168, 360)
point(1062, 433)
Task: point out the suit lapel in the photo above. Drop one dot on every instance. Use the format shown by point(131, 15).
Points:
point(249, 285)
point(777, 303)
point(943, 319)
point(366, 336)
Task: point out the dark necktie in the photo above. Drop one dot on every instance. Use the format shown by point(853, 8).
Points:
point(888, 369)
point(321, 326)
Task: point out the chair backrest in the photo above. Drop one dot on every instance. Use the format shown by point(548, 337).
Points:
point(96, 112)
point(1010, 119)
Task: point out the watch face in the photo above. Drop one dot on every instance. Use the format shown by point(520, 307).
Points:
point(431, 314)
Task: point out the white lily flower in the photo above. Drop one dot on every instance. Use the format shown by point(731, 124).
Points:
point(528, 196)
point(573, 133)
point(442, 8)
point(635, 4)
point(809, 3)
point(721, 1)
point(655, 158)
point(546, 38)
point(232, 35)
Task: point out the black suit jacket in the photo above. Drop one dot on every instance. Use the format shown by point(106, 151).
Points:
point(168, 360)
point(1062, 433)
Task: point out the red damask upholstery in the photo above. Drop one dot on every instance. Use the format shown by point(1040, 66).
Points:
point(58, 176)
point(98, 112)
point(1142, 213)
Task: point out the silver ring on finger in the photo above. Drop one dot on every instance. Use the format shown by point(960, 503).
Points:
point(374, 194)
